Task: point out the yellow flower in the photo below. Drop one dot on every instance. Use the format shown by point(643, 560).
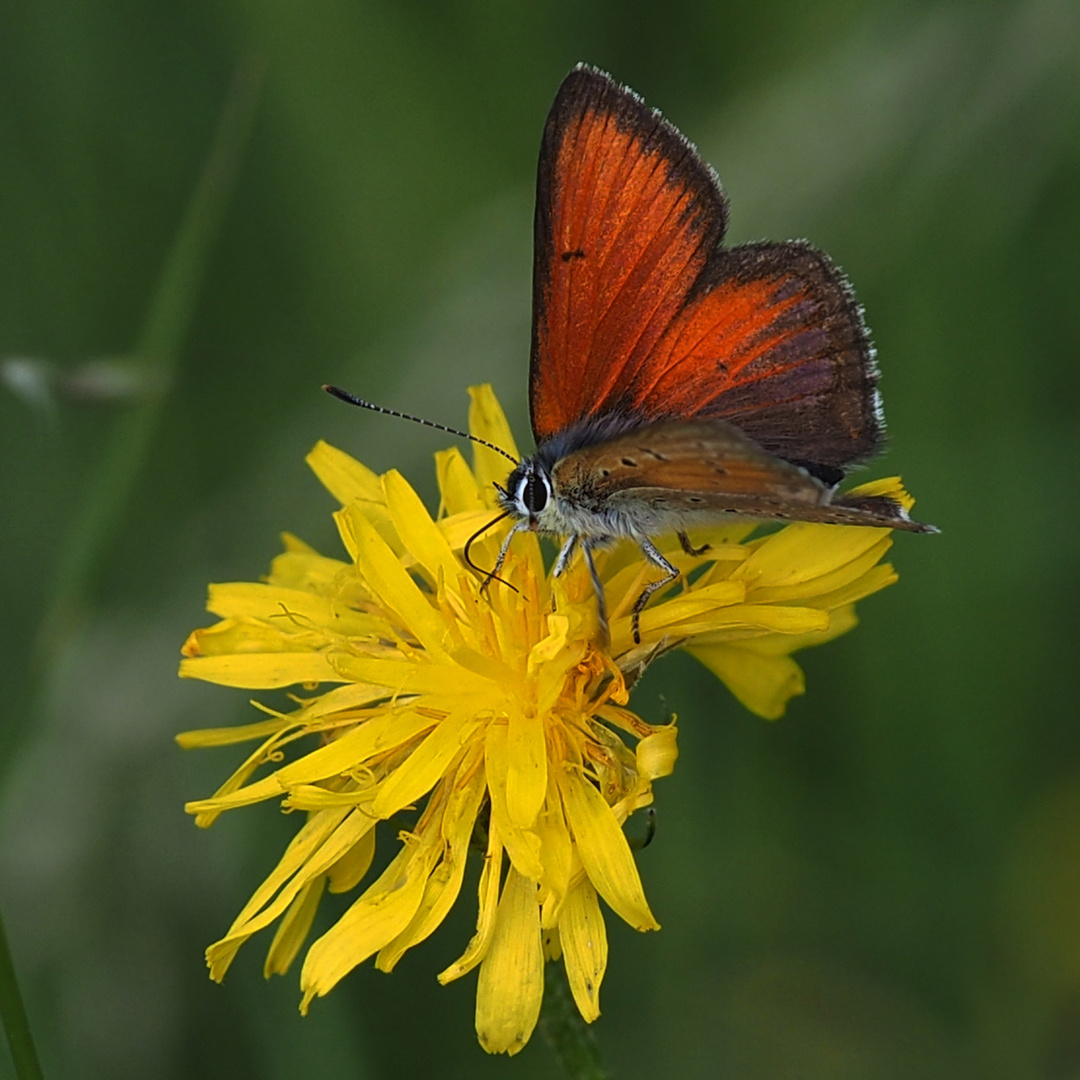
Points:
point(496, 718)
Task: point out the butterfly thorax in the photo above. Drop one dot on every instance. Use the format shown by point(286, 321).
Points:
point(554, 491)
point(534, 496)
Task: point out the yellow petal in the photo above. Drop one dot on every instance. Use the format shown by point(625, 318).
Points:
point(511, 984)
point(839, 577)
point(425, 765)
point(288, 609)
point(440, 891)
point(488, 421)
point(343, 476)
point(419, 534)
point(340, 699)
point(373, 920)
point(310, 855)
point(319, 830)
point(891, 486)
point(266, 751)
point(342, 756)
point(557, 857)
point(350, 869)
point(266, 672)
point(490, 878)
point(583, 938)
point(604, 851)
point(304, 568)
point(500, 674)
point(550, 660)
point(374, 514)
point(293, 545)
point(293, 929)
point(457, 485)
point(406, 676)
point(522, 844)
point(391, 583)
point(526, 768)
point(459, 528)
point(800, 552)
point(227, 736)
point(764, 684)
point(840, 622)
point(700, 599)
point(444, 883)
point(245, 635)
point(656, 753)
point(874, 580)
point(779, 618)
point(315, 797)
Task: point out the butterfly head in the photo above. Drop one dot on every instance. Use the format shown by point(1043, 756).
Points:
point(528, 493)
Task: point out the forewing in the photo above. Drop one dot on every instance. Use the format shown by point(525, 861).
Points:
point(697, 464)
point(626, 216)
point(638, 311)
point(667, 474)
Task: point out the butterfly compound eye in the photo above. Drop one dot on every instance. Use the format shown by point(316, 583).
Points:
point(533, 493)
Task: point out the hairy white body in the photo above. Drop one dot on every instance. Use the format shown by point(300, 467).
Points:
point(607, 481)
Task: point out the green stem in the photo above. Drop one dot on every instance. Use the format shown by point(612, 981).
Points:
point(13, 1014)
point(157, 351)
point(566, 1031)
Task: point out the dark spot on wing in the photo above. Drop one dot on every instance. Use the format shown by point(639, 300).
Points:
point(829, 475)
point(577, 253)
point(629, 462)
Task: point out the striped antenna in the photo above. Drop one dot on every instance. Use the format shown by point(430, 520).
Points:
point(352, 399)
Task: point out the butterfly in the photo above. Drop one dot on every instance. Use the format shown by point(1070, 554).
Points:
point(676, 383)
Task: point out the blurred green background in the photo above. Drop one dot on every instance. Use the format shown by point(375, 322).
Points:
point(885, 883)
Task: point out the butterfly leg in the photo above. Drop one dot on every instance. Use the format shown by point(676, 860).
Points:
point(654, 556)
point(493, 573)
point(564, 556)
point(560, 563)
point(689, 548)
point(598, 588)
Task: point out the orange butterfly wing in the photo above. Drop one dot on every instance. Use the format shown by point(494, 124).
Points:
point(683, 457)
point(639, 312)
point(696, 471)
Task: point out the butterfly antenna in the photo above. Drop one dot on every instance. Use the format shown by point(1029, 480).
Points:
point(352, 399)
point(489, 575)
